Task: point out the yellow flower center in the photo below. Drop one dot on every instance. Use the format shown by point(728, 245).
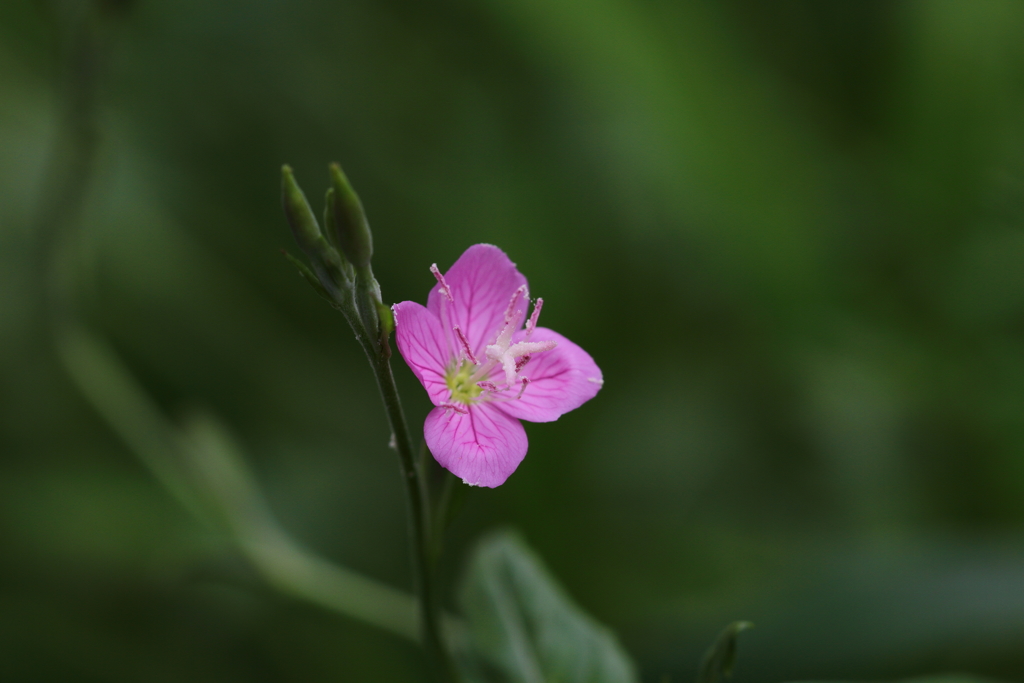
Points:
point(459, 379)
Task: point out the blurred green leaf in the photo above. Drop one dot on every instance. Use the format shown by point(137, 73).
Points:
point(524, 628)
point(720, 659)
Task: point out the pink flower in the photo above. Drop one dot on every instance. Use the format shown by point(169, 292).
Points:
point(483, 370)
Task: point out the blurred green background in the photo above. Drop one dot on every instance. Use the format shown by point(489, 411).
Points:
point(791, 234)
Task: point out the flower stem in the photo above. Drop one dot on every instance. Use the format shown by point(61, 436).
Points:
point(378, 351)
point(346, 278)
point(419, 510)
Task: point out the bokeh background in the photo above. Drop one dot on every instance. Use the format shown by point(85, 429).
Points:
point(791, 233)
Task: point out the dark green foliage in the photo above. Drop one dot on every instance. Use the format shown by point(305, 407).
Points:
point(790, 233)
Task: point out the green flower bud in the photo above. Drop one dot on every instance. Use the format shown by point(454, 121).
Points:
point(350, 228)
point(329, 223)
point(299, 215)
point(328, 264)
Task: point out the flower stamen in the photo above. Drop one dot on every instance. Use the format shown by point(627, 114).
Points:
point(525, 381)
point(465, 345)
point(444, 285)
point(448, 299)
point(531, 324)
point(511, 310)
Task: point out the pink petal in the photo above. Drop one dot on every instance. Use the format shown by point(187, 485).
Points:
point(482, 283)
point(561, 380)
point(482, 447)
point(423, 345)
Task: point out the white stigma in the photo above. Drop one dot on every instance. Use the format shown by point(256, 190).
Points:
point(507, 354)
point(512, 357)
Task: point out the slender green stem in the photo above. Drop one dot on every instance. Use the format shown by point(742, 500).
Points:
point(359, 305)
point(419, 510)
point(443, 511)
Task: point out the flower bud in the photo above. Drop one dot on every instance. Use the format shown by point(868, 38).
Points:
point(330, 267)
point(350, 228)
point(329, 223)
point(299, 215)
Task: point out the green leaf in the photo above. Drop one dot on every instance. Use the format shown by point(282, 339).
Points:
point(523, 628)
point(720, 659)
